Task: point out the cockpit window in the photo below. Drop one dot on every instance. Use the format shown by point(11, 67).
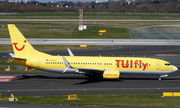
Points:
point(167, 64)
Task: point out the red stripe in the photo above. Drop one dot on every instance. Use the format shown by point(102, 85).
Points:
point(5, 80)
point(7, 77)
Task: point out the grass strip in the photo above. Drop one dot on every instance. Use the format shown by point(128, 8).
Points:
point(64, 32)
point(140, 100)
point(6, 63)
point(14, 70)
point(89, 16)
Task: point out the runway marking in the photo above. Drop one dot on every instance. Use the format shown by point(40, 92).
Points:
point(7, 78)
point(166, 55)
point(163, 34)
point(147, 51)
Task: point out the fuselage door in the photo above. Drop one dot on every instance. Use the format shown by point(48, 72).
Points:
point(37, 63)
point(157, 65)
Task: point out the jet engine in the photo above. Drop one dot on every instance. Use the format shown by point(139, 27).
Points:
point(111, 74)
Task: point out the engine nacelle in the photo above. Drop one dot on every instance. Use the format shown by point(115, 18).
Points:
point(111, 74)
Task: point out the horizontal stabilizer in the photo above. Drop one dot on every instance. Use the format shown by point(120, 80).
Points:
point(13, 56)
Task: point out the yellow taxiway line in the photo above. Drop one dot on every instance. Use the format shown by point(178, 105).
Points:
point(163, 34)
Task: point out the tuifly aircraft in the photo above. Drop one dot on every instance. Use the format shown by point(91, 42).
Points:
point(107, 67)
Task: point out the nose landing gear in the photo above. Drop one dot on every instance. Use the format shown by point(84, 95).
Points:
point(162, 76)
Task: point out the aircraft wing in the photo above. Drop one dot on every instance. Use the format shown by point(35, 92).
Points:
point(90, 70)
point(81, 70)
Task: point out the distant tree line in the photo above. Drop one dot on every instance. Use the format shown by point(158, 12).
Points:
point(137, 6)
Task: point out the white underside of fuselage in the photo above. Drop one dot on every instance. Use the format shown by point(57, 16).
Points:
point(122, 72)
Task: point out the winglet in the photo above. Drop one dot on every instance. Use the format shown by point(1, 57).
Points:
point(66, 64)
point(70, 52)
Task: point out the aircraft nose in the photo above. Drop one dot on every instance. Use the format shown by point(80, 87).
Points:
point(175, 68)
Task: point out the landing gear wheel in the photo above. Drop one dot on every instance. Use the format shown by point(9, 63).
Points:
point(159, 79)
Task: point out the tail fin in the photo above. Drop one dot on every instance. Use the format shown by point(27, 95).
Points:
point(21, 47)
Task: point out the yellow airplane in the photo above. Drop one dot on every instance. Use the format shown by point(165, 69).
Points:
point(107, 67)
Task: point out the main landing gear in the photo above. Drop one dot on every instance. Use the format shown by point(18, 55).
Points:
point(93, 77)
point(159, 79)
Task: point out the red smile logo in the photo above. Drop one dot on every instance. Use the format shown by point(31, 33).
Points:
point(19, 49)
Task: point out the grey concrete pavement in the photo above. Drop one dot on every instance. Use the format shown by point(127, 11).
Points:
point(40, 84)
point(98, 41)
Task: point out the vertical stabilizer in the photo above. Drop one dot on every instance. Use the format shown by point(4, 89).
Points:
point(21, 47)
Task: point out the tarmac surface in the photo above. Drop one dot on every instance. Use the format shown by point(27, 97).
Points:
point(155, 32)
point(41, 84)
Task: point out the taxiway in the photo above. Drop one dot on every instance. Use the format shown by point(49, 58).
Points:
point(40, 84)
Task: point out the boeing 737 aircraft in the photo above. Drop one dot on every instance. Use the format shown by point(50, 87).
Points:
point(107, 67)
